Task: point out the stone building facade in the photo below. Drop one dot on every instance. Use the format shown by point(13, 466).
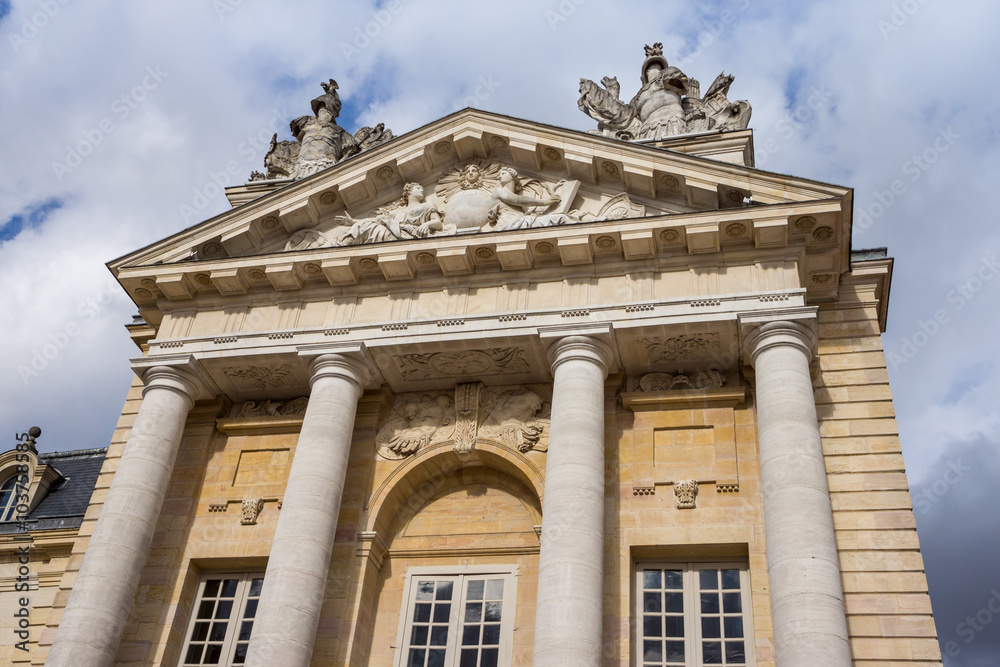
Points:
point(500, 393)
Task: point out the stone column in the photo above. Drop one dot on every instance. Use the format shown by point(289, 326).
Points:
point(807, 600)
point(297, 570)
point(95, 616)
point(569, 612)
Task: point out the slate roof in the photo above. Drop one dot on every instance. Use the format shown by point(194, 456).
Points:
point(67, 500)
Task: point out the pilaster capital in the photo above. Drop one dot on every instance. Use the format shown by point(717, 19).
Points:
point(762, 330)
point(180, 373)
point(588, 343)
point(350, 361)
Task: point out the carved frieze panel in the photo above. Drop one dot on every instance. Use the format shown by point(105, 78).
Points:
point(269, 376)
point(491, 361)
point(688, 347)
point(515, 417)
point(269, 408)
point(666, 382)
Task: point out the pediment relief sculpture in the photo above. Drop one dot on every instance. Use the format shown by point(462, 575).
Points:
point(319, 141)
point(668, 103)
point(517, 418)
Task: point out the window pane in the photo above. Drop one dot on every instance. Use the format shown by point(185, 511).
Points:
point(731, 579)
point(652, 650)
point(441, 613)
point(731, 603)
point(489, 657)
point(711, 653)
point(212, 588)
point(200, 632)
point(709, 580)
point(219, 632)
point(673, 626)
point(206, 608)
point(255, 587)
point(419, 636)
point(241, 654)
point(710, 603)
point(651, 602)
point(470, 657)
point(675, 651)
point(470, 635)
point(422, 613)
point(212, 654)
point(494, 589)
point(251, 609)
point(734, 627)
point(473, 612)
point(245, 628)
point(194, 654)
point(416, 657)
point(476, 588)
point(425, 590)
point(439, 635)
point(493, 611)
point(224, 609)
point(229, 588)
point(491, 635)
point(651, 579)
point(652, 626)
point(672, 579)
point(674, 602)
point(443, 590)
point(435, 658)
point(734, 652)
point(710, 627)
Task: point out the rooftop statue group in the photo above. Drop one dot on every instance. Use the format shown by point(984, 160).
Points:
point(668, 104)
point(319, 141)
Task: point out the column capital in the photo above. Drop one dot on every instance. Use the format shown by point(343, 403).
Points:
point(590, 343)
point(350, 361)
point(180, 373)
point(762, 330)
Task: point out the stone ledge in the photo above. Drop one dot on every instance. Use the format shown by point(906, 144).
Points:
point(726, 397)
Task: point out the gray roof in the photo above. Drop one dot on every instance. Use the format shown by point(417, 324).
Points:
point(68, 498)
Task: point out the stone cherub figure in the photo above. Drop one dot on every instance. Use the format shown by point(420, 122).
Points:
point(667, 104)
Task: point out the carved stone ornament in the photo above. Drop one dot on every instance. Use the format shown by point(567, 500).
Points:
point(667, 104)
point(517, 418)
point(621, 207)
point(686, 492)
point(491, 361)
point(679, 348)
point(416, 420)
point(319, 141)
point(269, 408)
point(665, 382)
point(251, 508)
point(274, 376)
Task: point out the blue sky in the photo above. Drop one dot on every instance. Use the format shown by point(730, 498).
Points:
point(863, 93)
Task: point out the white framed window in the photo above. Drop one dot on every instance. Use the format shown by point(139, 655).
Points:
point(222, 619)
point(9, 497)
point(693, 614)
point(457, 617)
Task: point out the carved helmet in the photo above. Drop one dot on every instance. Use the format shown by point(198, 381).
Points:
point(654, 54)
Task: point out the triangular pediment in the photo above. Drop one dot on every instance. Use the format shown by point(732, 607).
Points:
point(562, 179)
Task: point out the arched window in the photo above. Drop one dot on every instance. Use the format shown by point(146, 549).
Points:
point(8, 499)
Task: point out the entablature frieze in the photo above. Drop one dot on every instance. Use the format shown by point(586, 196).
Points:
point(809, 228)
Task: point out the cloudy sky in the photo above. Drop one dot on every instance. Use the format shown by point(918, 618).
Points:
point(118, 118)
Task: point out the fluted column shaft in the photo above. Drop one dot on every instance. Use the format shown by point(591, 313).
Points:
point(295, 580)
point(95, 616)
point(807, 600)
point(569, 610)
